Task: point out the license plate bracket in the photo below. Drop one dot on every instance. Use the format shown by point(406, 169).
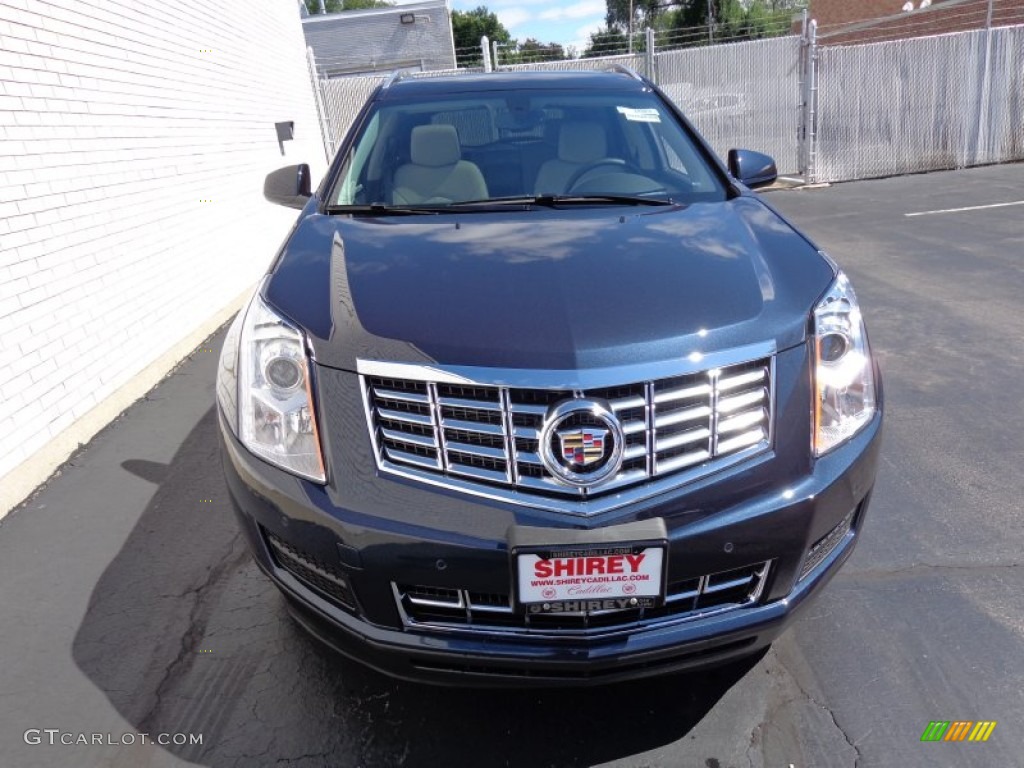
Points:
point(586, 572)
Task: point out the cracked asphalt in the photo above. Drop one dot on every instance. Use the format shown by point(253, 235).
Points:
point(129, 605)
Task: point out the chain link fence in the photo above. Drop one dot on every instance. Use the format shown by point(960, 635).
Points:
point(928, 103)
point(739, 94)
point(834, 113)
point(342, 98)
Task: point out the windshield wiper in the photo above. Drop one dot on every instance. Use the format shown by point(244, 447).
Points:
point(380, 209)
point(555, 201)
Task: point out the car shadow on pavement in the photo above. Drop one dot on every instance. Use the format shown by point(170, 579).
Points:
point(184, 635)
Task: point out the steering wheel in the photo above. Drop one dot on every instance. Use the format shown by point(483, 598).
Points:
point(615, 162)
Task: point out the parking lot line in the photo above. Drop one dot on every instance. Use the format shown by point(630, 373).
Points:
point(967, 208)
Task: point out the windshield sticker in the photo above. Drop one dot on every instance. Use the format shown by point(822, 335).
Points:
point(646, 115)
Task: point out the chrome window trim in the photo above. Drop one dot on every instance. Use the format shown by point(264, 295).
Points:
point(577, 380)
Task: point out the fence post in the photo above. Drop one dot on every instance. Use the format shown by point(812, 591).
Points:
point(494, 54)
point(318, 98)
point(982, 145)
point(812, 106)
point(801, 122)
point(652, 73)
point(485, 46)
point(808, 129)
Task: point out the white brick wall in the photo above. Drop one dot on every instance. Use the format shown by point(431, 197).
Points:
point(134, 138)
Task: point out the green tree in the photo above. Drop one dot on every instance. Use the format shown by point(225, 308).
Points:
point(533, 50)
point(467, 29)
point(606, 42)
point(687, 23)
point(334, 6)
point(645, 13)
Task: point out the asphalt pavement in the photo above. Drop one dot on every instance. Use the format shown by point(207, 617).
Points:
point(129, 605)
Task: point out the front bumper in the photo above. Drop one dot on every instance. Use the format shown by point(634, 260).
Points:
point(373, 532)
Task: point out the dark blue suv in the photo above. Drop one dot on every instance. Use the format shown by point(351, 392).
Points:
point(537, 391)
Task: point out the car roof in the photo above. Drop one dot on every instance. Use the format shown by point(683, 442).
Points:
point(618, 81)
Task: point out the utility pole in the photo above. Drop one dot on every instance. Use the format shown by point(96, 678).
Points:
point(630, 27)
point(711, 22)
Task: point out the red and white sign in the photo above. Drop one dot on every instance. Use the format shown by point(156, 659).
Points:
point(585, 576)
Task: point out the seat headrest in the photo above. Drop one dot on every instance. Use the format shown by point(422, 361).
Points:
point(434, 145)
point(581, 142)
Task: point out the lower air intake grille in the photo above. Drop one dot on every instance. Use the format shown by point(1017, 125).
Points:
point(827, 544)
point(450, 608)
point(313, 573)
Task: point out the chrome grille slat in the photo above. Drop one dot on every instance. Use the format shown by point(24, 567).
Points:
point(477, 472)
point(469, 405)
point(529, 410)
point(682, 461)
point(411, 458)
point(740, 421)
point(711, 589)
point(634, 452)
point(740, 441)
point(404, 397)
point(673, 418)
point(731, 382)
point(409, 437)
point(633, 428)
point(472, 426)
point(487, 428)
point(624, 403)
point(408, 418)
point(476, 450)
point(683, 438)
point(683, 393)
point(736, 402)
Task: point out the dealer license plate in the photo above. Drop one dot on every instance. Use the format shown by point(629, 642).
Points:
point(591, 580)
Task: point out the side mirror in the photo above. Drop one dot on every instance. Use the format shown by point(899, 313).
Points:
point(288, 186)
point(752, 168)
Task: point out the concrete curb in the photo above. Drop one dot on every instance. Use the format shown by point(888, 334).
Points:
point(22, 481)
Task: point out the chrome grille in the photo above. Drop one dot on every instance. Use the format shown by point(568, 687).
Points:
point(695, 597)
point(482, 436)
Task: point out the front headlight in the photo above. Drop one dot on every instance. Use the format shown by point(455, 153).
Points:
point(844, 384)
point(276, 419)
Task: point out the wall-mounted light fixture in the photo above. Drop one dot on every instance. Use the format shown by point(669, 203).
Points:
point(407, 18)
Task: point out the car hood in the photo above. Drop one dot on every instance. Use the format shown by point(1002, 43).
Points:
point(543, 288)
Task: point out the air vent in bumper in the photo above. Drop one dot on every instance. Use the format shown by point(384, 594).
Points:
point(448, 608)
point(313, 573)
point(827, 544)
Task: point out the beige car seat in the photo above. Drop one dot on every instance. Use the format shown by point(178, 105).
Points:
point(437, 173)
point(579, 145)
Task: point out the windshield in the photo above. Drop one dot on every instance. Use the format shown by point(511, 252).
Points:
point(511, 146)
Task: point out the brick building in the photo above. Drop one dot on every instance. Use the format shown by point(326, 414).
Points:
point(134, 138)
point(841, 22)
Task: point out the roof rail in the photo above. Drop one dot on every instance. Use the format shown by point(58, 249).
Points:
point(398, 74)
point(626, 71)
